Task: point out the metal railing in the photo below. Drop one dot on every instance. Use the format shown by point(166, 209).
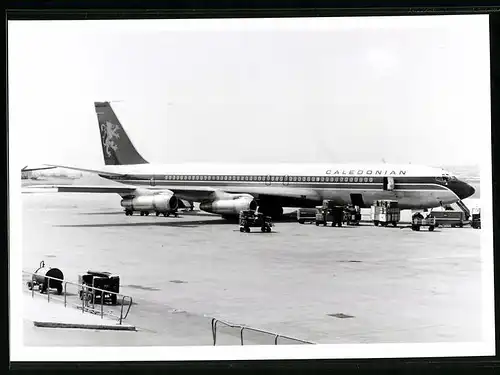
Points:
point(242, 328)
point(87, 297)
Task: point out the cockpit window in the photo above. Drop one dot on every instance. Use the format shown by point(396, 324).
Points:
point(443, 178)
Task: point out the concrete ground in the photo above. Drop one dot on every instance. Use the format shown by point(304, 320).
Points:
point(328, 285)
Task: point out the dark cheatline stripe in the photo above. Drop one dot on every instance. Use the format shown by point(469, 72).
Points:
point(307, 185)
point(266, 179)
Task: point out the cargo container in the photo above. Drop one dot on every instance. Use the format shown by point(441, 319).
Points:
point(449, 218)
point(306, 215)
point(385, 212)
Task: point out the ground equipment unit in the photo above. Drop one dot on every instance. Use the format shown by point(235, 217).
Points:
point(329, 212)
point(385, 212)
point(251, 218)
point(102, 280)
point(450, 218)
point(352, 215)
point(476, 218)
point(418, 221)
point(306, 215)
point(41, 278)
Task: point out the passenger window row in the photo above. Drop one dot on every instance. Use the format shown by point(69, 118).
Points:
point(268, 178)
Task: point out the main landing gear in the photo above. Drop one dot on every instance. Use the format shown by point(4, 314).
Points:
point(146, 213)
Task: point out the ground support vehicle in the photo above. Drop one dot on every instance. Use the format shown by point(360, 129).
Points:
point(418, 221)
point(476, 219)
point(385, 212)
point(250, 218)
point(306, 215)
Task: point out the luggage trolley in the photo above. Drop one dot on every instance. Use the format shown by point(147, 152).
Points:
point(418, 221)
point(250, 218)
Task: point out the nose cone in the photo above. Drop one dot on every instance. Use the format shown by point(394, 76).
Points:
point(462, 189)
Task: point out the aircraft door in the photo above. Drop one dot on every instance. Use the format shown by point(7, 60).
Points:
point(388, 183)
point(152, 181)
point(286, 180)
point(357, 200)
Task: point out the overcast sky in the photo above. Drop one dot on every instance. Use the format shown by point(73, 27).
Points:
point(243, 91)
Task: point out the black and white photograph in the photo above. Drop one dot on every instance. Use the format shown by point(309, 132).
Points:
point(207, 189)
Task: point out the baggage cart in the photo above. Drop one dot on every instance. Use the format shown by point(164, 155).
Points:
point(385, 212)
point(305, 215)
point(329, 212)
point(450, 218)
point(250, 218)
point(352, 215)
point(418, 221)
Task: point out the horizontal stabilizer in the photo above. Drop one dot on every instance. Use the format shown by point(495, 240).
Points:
point(122, 190)
point(101, 172)
point(26, 169)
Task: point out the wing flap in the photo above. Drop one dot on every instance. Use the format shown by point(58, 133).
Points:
point(95, 189)
point(202, 192)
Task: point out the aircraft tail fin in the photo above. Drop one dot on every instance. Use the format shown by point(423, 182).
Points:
point(117, 148)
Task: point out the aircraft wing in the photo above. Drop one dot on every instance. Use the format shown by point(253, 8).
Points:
point(95, 189)
point(190, 193)
point(202, 193)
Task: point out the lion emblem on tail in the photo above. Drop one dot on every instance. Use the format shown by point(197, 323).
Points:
point(110, 134)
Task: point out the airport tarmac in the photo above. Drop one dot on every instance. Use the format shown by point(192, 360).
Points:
point(327, 285)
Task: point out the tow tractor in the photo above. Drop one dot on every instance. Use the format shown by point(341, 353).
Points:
point(418, 221)
point(329, 211)
point(352, 215)
point(252, 219)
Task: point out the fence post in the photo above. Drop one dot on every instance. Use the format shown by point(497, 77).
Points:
point(84, 297)
point(121, 309)
point(241, 334)
point(276, 340)
point(215, 331)
point(102, 304)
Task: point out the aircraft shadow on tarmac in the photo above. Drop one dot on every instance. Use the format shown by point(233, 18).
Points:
point(170, 223)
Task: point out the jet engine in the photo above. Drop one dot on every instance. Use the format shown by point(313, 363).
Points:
point(231, 206)
point(164, 202)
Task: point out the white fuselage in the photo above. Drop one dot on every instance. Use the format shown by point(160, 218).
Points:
point(412, 186)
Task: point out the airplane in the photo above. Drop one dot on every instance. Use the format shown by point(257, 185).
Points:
point(226, 189)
